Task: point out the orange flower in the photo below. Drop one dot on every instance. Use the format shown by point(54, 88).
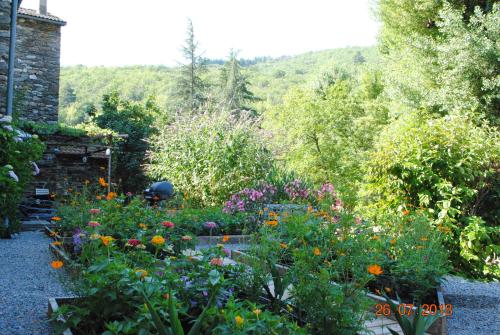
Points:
point(186, 238)
point(111, 196)
point(103, 182)
point(56, 244)
point(272, 223)
point(225, 238)
point(53, 233)
point(316, 252)
point(55, 218)
point(283, 246)
point(376, 237)
point(98, 197)
point(57, 264)
point(106, 240)
point(392, 241)
point(406, 212)
point(375, 269)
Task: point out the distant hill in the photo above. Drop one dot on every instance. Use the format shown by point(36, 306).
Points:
point(270, 78)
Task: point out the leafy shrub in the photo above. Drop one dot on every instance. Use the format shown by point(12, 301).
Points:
point(16, 155)
point(209, 156)
point(136, 121)
point(445, 165)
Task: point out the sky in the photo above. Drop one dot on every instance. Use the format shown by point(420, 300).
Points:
point(133, 32)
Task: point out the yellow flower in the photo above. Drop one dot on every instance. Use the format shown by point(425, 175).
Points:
point(239, 320)
point(419, 247)
point(388, 289)
point(143, 226)
point(423, 239)
point(375, 269)
point(95, 236)
point(257, 312)
point(57, 264)
point(225, 238)
point(272, 223)
point(158, 240)
point(106, 240)
point(283, 246)
point(316, 252)
point(219, 245)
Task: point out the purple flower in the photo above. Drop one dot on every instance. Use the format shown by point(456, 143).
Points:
point(227, 252)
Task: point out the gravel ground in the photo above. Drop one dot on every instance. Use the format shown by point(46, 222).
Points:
point(476, 307)
point(26, 283)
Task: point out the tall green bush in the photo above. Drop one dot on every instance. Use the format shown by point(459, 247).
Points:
point(16, 155)
point(209, 156)
point(447, 166)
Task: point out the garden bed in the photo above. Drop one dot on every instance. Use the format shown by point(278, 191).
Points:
point(438, 328)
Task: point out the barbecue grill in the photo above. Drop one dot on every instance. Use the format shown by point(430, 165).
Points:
point(162, 190)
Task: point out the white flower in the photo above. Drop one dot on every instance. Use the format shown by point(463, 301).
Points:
point(13, 175)
point(36, 170)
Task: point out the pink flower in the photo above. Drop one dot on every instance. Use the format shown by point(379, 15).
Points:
point(94, 211)
point(210, 225)
point(128, 194)
point(93, 224)
point(168, 224)
point(216, 261)
point(133, 242)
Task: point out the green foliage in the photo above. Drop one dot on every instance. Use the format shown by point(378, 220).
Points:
point(134, 120)
point(16, 155)
point(209, 157)
point(445, 165)
point(479, 247)
point(325, 135)
point(136, 83)
point(442, 55)
point(415, 259)
point(254, 321)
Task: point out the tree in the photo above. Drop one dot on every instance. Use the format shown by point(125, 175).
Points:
point(135, 120)
point(359, 58)
point(191, 88)
point(235, 92)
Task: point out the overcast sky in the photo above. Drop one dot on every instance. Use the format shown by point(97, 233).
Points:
point(126, 32)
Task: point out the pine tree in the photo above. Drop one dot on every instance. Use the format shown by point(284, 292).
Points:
point(235, 92)
point(191, 88)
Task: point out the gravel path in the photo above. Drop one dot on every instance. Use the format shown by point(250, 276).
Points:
point(26, 283)
point(476, 307)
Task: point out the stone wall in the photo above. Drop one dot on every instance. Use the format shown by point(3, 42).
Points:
point(37, 65)
point(4, 50)
point(63, 168)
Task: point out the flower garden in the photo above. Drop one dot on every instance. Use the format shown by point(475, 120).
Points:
point(274, 259)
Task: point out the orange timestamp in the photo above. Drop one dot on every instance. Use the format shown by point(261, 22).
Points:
point(410, 309)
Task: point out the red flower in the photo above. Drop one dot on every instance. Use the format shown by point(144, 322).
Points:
point(94, 211)
point(133, 242)
point(168, 224)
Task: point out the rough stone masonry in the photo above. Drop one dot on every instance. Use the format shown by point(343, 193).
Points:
point(37, 63)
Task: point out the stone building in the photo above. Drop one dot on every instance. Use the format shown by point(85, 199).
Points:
point(37, 62)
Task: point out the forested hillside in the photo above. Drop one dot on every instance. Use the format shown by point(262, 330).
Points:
point(83, 87)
